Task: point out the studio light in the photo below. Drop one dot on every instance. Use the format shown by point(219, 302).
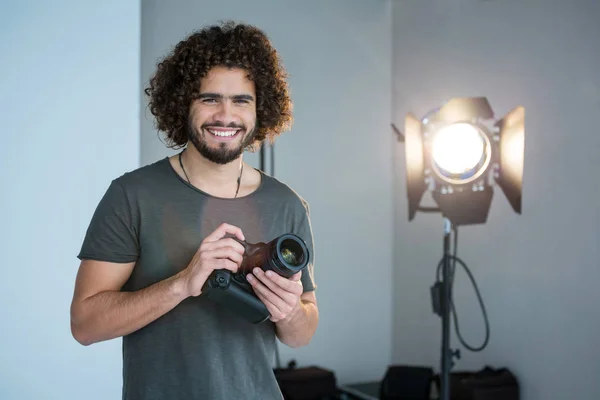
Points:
point(458, 153)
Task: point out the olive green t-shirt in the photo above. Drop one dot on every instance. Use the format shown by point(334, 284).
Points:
point(200, 349)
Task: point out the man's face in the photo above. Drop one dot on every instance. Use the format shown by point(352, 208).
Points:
point(222, 120)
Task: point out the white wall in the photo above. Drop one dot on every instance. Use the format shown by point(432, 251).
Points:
point(338, 155)
point(69, 108)
point(538, 273)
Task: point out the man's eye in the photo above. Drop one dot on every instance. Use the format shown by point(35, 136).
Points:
point(209, 100)
point(241, 101)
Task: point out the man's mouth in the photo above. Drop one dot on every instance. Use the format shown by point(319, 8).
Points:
point(224, 133)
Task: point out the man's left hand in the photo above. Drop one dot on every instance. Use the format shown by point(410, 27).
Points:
point(280, 295)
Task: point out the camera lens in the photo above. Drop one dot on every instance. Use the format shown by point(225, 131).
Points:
point(287, 255)
point(291, 252)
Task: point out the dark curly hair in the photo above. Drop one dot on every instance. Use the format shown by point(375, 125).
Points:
point(176, 82)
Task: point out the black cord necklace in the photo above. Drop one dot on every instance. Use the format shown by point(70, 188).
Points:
point(239, 179)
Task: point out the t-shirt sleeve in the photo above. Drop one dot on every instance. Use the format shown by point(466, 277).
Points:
point(304, 230)
point(112, 234)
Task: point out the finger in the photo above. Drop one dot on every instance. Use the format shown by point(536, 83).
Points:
point(235, 244)
point(276, 313)
point(222, 253)
point(227, 242)
point(223, 230)
point(222, 263)
point(289, 297)
point(261, 289)
point(278, 284)
point(226, 264)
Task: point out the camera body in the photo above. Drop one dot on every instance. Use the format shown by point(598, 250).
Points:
point(285, 255)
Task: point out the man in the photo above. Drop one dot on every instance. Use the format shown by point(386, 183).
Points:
point(161, 230)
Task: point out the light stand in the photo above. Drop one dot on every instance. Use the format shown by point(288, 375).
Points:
point(442, 301)
point(446, 363)
point(457, 152)
point(262, 167)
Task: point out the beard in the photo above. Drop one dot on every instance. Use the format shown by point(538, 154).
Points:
point(222, 154)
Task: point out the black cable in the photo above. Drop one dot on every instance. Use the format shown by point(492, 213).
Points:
point(455, 259)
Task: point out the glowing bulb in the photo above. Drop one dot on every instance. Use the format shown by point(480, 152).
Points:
point(458, 148)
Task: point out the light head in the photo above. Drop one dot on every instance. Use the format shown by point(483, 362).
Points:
point(458, 152)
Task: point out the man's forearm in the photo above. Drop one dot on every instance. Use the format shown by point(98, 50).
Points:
point(299, 328)
point(111, 314)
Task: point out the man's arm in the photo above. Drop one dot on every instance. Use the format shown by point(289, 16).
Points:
point(100, 311)
point(298, 328)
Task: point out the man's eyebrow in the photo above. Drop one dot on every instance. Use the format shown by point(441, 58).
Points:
point(243, 97)
point(209, 95)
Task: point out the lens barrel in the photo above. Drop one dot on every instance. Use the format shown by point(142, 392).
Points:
point(288, 254)
point(285, 255)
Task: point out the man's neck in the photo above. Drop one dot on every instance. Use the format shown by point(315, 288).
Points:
point(208, 175)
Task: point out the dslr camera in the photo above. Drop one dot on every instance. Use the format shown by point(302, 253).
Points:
point(285, 255)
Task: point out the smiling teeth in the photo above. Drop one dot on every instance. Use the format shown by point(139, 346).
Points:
point(223, 133)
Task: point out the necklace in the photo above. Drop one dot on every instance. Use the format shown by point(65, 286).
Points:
point(239, 179)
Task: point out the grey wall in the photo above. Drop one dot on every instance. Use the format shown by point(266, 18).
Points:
point(538, 272)
point(69, 107)
point(338, 155)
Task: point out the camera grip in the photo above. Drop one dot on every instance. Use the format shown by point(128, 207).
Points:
point(255, 255)
point(224, 290)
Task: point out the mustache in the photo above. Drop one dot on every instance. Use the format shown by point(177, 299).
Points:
point(219, 124)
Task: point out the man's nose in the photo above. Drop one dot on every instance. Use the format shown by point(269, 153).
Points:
point(225, 112)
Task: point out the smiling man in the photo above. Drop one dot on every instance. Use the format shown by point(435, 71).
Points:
point(160, 231)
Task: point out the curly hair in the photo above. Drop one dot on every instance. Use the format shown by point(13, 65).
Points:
point(176, 82)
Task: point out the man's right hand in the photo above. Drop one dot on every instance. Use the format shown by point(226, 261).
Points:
point(215, 252)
